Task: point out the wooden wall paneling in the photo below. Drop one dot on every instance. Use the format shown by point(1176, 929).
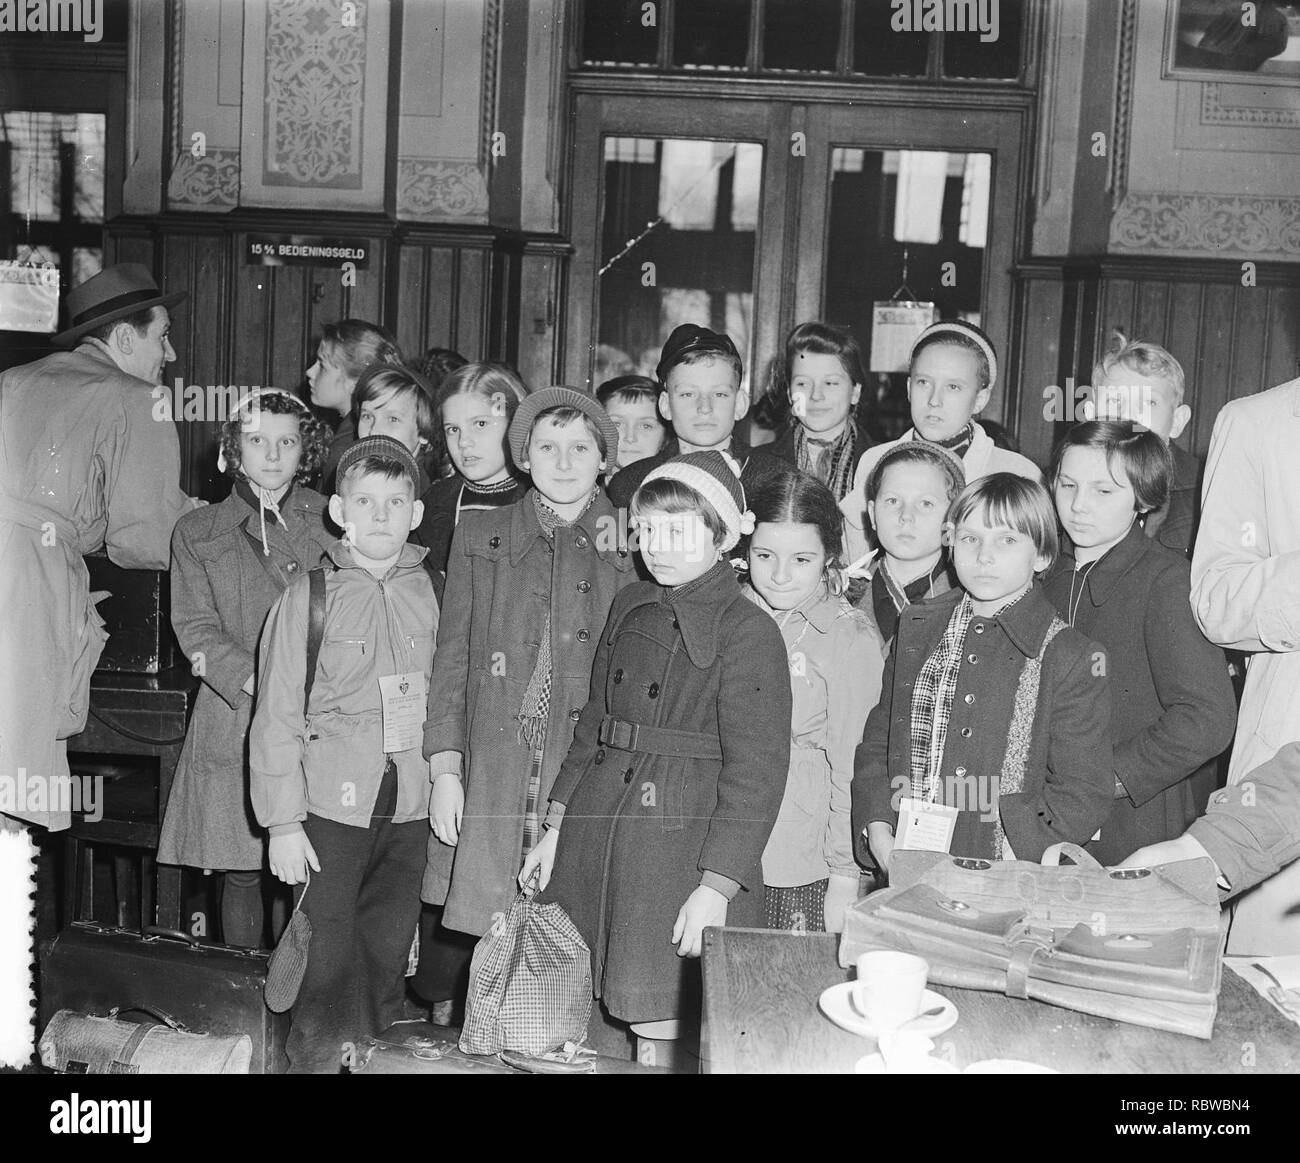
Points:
point(541, 293)
point(253, 294)
point(1249, 338)
point(1182, 339)
point(411, 300)
point(471, 292)
point(1042, 306)
point(1151, 308)
point(442, 285)
point(1216, 378)
point(288, 323)
point(1118, 297)
point(366, 299)
point(1283, 356)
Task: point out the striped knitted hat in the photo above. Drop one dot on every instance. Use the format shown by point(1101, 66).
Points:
point(716, 477)
point(384, 447)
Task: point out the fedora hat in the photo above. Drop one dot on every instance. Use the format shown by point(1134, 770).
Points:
point(115, 292)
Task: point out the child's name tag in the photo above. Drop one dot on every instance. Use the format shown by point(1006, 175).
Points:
point(405, 703)
point(925, 826)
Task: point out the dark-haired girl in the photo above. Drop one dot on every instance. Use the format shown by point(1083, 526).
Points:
point(836, 658)
point(823, 435)
point(230, 563)
point(1173, 709)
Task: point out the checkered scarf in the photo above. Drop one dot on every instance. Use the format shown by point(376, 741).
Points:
point(536, 707)
point(936, 685)
point(831, 462)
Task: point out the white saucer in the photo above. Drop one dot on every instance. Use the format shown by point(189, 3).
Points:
point(836, 1003)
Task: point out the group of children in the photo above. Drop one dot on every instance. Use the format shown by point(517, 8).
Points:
point(671, 679)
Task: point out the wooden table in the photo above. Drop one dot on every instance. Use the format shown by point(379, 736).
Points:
point(761, 1017)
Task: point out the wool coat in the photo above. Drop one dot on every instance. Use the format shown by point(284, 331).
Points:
point(222, 588)
point(503, 575)
point(1069, 775)
point(982, 458)
point(624, 483)
point(782, 446)
point(84, 463)
point(1246, 596)
point(1173, 525)
point(641, 830)
point(1172, 707)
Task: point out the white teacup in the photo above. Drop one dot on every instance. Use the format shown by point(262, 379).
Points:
point(889, 986)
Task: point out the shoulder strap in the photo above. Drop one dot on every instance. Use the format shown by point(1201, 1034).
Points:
point(315, 630)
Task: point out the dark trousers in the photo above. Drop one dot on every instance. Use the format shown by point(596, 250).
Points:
point(445, 954)
point(363, 906)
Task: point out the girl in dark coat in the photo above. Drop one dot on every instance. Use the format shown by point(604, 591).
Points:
point(1173, 710)
point(230, 563)
point(664, 805)
point(990, 705)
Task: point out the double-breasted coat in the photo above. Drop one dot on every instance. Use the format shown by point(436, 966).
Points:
point(1069, 777)
point(1172, 708)
point(642, 830)
point(222, 587)
point(503, 575)
point(84, 463)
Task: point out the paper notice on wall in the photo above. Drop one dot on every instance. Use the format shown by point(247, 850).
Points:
point(29, 297)
point(894, 328)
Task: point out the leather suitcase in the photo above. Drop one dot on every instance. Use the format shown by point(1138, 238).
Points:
point(93, 968)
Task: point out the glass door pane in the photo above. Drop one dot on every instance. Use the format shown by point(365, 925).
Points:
point(678, 244)
point(890, 209)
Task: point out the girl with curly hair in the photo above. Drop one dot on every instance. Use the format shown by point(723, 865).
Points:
point(229, 564)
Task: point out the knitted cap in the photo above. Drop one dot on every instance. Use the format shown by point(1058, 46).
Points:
point(381, 446)
point(538, 402)
point(690, 337)
point(967, 331)
point(716, 477)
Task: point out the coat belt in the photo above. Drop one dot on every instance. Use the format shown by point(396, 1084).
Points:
point(625, 736)
point(29, 516)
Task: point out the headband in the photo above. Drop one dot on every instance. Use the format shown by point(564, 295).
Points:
point(968, 331)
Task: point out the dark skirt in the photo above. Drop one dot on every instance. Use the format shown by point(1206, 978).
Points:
point(799, 909)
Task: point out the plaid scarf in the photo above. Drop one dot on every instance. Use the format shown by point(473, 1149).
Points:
point(889, 598)
point(936, 685)
point(830, 461)
point(960, 444)
point(536, 707)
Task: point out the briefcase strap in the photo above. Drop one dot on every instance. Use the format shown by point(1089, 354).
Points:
point(315, 630)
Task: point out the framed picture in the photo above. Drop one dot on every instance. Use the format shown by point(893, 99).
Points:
point(1226, 40)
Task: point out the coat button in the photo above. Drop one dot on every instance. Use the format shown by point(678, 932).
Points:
point(584, 586)
point(965, 732)
point(968, 699)
point(653, 692)
point(959, 771)
point(972, 659)
point(581, 542)
point(292, 567)
point(618, 676)
point(979, 627)
point(494, 542)
point(627, 776)
point(600, 755)
point(676, 624)
point(583, 635)
point(575, 715)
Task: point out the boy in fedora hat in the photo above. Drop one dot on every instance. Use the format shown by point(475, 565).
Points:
point(83, 464)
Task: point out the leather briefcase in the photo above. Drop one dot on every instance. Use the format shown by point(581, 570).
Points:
point(1137, 945)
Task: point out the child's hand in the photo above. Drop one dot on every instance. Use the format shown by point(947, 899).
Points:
point(840, 893)
point(446, 806)
point(704, 907)
point(290, 856)
point(542, 857)
point(880, 839)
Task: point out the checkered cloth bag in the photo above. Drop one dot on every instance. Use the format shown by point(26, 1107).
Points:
point(529, 983)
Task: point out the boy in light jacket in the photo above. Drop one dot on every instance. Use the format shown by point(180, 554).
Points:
point(345, 797)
